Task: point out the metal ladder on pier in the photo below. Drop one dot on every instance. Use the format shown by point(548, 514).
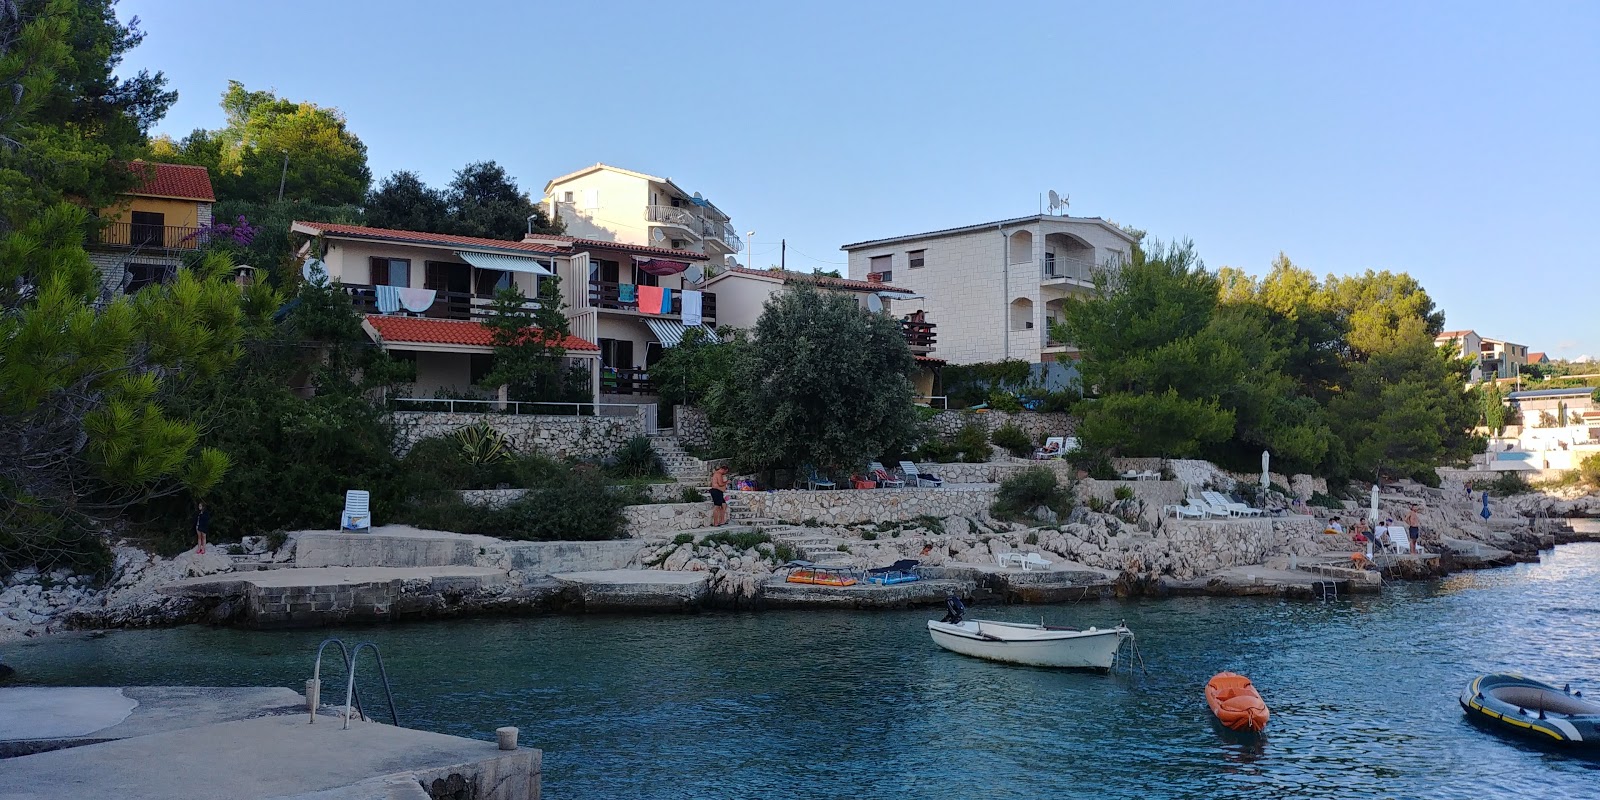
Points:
point(314, 685)
point(1325, 590)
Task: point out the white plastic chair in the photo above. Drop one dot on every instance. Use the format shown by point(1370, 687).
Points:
point(357, 514)
point(1006, 559)
point(914, 477)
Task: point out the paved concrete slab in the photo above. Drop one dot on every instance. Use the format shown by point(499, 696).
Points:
point(638, 589)
point(47, 712)
point(272, 757)
point(779, 593)
point(655, 577)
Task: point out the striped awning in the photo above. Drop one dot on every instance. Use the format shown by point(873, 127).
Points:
point(670, 331)
point(504, 263)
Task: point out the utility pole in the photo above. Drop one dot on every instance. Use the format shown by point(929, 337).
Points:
point(783, 254)
point(283, 175)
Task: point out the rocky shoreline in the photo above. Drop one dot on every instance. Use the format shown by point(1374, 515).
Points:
point(1124, 549)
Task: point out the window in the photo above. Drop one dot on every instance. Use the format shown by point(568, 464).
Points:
point(489, 281)
point(479, 366)
point(915, 259)
point(148, 229)
point(1050, 264)
point(142, 275)
point(616, 353)
point(445, 276)
point(391, 272)
point(652, 353)
point(566, 197)
point(883, 267)
point(604, 271)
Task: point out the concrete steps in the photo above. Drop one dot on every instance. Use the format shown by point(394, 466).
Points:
point(679, 464)
point(814, 546)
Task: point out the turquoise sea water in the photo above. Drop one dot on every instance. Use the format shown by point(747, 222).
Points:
point(809, 704)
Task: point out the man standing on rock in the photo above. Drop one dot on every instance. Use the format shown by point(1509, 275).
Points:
point(1414, 528)
point(719, 486)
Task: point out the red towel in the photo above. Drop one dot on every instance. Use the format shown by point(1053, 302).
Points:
point(650, 299)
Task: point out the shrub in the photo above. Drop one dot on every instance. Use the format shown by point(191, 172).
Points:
point(691, 495)
point(972, 444)
point(1027, 490)
point(1032, 538)
point(1320, 499)
point(1094, 462)
point(636, 459)
point(574, 509)
point(683, 538)
point(1123, 492)
point(1013, 440)
point(481, 444)
point(936, 450)
point(1097, 505)
point(1509, 483)
point(869, 535)
point(1004, 401)
point(1589, 468)
point(783, 552)
point(738, 540)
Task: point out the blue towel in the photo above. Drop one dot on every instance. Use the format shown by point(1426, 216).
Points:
point(626, 293)
point(388, 298)
point(666, 300)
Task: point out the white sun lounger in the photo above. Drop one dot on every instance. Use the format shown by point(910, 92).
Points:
point(357, 514)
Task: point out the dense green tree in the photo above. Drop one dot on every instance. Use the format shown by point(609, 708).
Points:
point(403, 202)
point(484, 201)
point(686, 373)
point(1375, 305)
point(267, 140)
point(1492, 403)
point(530, 356)
point(1405, 411)
point(822, 382)
point(84, 433)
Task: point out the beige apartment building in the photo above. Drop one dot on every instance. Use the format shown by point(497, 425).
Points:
point(1493, 358)
point(995, 287)
point(611, 204)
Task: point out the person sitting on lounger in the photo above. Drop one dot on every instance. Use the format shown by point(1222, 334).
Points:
point(1334, 527)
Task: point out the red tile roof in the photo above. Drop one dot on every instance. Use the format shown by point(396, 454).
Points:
point(1454, 335)
point(173, 180)
point(421, 330)
point(595, 244)
point(822, 280)
point(1537, 357)
point(420, 237)
point(929, 360)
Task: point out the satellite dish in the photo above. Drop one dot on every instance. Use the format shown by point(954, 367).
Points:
point(657, 235)
point(697, 196)
point(694, 274)
point(874, 303)
point(313, 270)
point(1055, 200)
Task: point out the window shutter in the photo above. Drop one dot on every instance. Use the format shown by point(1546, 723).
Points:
point(378, 271)
point(591, 198)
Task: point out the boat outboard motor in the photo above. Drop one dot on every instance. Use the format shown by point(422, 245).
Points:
point(954, 609)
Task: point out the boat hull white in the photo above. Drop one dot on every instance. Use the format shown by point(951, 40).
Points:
point(1032, 645)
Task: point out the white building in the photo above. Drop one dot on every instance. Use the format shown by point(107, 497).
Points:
point(610, 204)
point(995, 287)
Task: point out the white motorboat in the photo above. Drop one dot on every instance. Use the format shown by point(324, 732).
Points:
point(1034, 645)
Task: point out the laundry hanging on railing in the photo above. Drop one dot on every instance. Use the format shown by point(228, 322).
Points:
point(666, 300)
point(417, 301)
point(659, 266)
point(388, 298)
point(691, 308)
point(650, 299)
point(627, 293)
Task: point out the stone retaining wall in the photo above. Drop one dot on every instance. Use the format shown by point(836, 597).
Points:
point(1155, 494)
point(691, 426)
point(845, 507)
point(496, 498)
point(667, 517)
point(560, 437)
point(1036, 424)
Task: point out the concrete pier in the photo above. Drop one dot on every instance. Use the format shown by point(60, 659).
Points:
point(178, 743)
point(637, 589)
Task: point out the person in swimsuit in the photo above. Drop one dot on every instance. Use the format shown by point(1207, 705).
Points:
point(202, 526)
point(1414, 527)
point(719, 485)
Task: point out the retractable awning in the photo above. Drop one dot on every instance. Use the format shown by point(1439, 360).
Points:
point(660, 266)
point(670, 331)
point(504, 262)
point(900, 296)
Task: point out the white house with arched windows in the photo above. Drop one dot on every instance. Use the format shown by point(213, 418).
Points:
point(996, 287)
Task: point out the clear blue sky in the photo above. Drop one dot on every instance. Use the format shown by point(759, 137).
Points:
point(1456, 141)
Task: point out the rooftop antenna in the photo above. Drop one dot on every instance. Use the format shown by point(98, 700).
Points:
point(1059, 203)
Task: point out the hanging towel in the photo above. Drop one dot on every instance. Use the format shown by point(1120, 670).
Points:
point(417, 301)
point(388, 299)
point(666, 300)
point(650, 299)
point(627, 293)
point(691, 308)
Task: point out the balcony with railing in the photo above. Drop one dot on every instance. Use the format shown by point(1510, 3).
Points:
point(920, 336)
point(1063, 271)
point(133, 235)
point(677, 217)
point(446, 305)
point(626, 381)
point(607, 295)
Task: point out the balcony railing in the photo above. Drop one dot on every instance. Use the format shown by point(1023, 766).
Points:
point(731, 238)
point(135, 235)
point(677, 217)
point(626, 381)
point(446, 305)
point(608, 295)
point(919, 335)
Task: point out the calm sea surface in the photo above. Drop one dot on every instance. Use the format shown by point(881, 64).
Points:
point(828, 704)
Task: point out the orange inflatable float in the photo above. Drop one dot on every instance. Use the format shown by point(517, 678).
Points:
point(1236, 702)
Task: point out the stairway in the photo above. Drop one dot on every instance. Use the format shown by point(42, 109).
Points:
point(812, 545)
point(683, 467)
